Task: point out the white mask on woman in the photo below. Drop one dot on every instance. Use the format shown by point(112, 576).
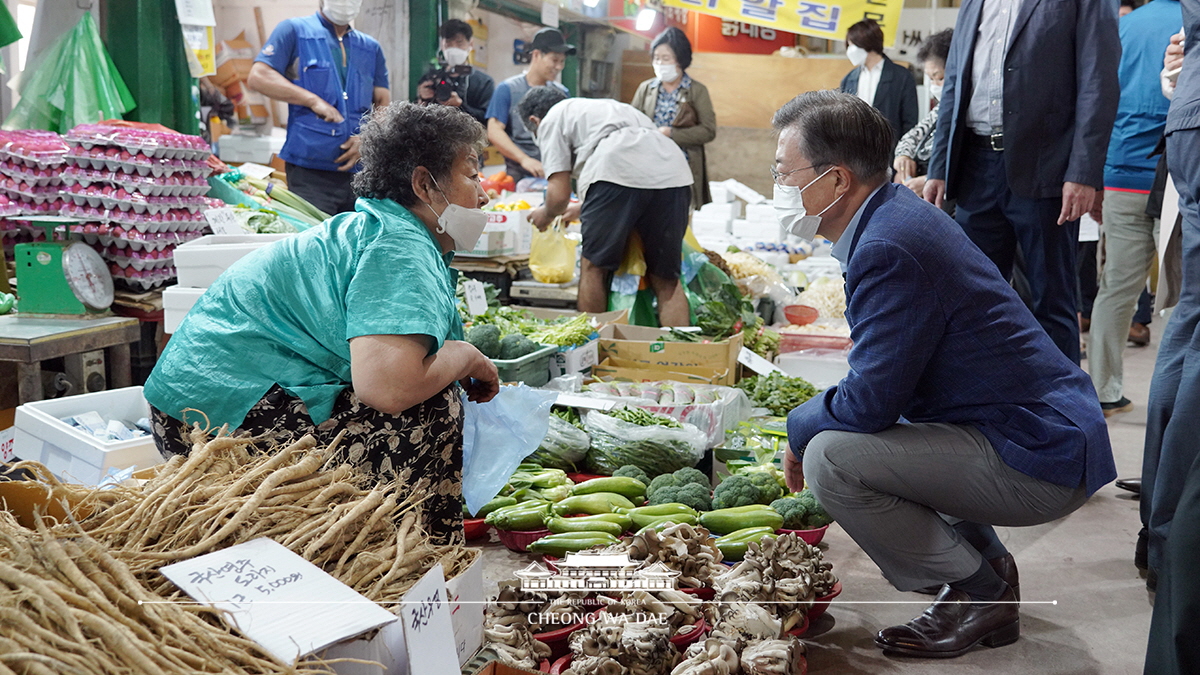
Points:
point(455, 56)
point(666, 72)
point(935, 90)
point(789, 206)
point(856, 54)
point(464, 225)
point(342, 12)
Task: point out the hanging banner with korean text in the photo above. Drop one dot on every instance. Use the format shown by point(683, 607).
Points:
point(827, 19)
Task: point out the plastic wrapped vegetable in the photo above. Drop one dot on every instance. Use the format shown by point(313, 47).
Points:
point(662, 445)
point(564, 446)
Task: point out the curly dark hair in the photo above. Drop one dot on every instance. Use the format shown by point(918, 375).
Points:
point(401, 137)
point(538, 101)
point(936, 46)
point(678, 42)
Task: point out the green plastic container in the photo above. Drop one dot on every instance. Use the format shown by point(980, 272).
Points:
point(532, 369)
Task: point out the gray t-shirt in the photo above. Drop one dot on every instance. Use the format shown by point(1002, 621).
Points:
point(504, 108)
point(599, 139)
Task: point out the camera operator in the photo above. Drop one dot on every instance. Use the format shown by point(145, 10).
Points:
point(455, 82)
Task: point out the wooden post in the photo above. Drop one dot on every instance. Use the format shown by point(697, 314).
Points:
point(262, 42)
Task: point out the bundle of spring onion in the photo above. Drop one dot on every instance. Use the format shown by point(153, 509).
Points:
point(277, 198)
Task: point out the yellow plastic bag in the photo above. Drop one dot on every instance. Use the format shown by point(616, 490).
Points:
point(552, 255)
point(634, 260)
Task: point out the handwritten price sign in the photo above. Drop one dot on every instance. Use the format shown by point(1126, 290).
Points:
point(6, 444)
point(428, 633)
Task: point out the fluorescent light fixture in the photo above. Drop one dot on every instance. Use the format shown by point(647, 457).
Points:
point(645, 18)
point(591, 3)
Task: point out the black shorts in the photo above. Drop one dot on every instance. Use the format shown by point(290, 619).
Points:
point(612, 212)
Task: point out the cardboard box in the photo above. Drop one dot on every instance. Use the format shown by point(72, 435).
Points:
point(516, 222)
point(492, 242)
point(386, 646)
point(234, 59)
point(579, 359)
point(620, 369)
point(643, 345)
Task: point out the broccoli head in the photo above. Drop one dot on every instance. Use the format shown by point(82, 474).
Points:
point(801, 512)
point(486, 339)
point(691, 475)
point(633, 471)
point(663, 481)
point(695, 496)
point(736, 491)
point(767, 484)
point(515, 346)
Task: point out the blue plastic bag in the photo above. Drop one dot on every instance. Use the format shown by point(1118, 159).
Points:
point(498, 435)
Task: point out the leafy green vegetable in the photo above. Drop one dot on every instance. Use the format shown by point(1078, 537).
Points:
point(515, 345)
point(634, 472)
point(801, 511)
point(571, 333)
point(695, 496)
point(737, 491)
point(564, 446)
point(486, 339)
point(778, 393)
point(643, 418)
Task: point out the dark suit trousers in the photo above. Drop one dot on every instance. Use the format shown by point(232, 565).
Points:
point(1173, 412)
point(999, 222)
point(1173, 647)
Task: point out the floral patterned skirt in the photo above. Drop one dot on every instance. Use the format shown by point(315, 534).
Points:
point(423, 442)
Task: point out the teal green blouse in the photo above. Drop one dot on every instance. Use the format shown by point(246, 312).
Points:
point(285, 314)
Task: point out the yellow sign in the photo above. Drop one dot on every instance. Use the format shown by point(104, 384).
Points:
point(827, 19)
point(201, 51)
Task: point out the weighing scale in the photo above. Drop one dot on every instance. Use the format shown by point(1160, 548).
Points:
point(61, 278)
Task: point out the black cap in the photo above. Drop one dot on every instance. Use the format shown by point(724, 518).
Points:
point(551, 40)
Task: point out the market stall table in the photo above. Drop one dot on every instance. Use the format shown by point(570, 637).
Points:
point(29, 341)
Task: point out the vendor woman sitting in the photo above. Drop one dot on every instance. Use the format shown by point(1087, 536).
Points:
point(353, 324)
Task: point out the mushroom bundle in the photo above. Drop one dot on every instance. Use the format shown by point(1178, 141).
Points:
point(687, 549)
point(609, 647)
point(785, 574)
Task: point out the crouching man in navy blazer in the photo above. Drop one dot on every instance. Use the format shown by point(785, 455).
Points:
point(959, 413)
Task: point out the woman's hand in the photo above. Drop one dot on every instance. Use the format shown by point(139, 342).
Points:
point(905, 167)
point(916, 184)
point(482, 381)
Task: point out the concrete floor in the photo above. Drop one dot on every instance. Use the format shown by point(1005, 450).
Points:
point(1100, 615)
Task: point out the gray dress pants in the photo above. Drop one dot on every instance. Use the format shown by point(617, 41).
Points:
point(896, 493)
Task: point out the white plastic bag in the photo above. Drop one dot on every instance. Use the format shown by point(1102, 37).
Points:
point(654, 449)
point(497, 435)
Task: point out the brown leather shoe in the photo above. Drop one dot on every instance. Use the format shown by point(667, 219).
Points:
point(953, 625)
point(1005, 566)
point(1139, 334)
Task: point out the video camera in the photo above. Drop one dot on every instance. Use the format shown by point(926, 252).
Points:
point(447, 80)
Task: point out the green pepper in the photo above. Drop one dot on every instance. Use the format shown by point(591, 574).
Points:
point(641, 521)
point(493, 505)
point(630, 488)
point(520, 517)
point(7, 300)
point(583, 524)
point(660, 510)
point(559, 545)
point(597, 502)
point(746, 534)
point(734, 546)
point(724, 521)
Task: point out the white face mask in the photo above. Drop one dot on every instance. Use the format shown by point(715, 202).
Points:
point(342, 12)
point(856, 54)
point(455, 56)
point(666, 72)
point(464, 225)
point(789, 206)
point(935, 90)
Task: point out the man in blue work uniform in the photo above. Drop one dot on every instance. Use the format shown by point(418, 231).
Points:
point(329, 75)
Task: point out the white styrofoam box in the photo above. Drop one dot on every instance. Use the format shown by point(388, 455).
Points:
point(726, 210)
point(824, 368)
point(201, 261)
point(702, 226)
point(762, 212)
point(177, 302)
point(386, 647)
point(757, 231)
point(238, 148)
point(575, 359)
point(73, 455)
point(719, 192)
point(744, 192)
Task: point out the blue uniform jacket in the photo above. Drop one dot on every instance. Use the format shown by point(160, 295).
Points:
point(303, 50)
point(940, 337)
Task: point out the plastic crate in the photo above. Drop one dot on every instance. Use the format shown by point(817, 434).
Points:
point(77, 457)
point(532, 369)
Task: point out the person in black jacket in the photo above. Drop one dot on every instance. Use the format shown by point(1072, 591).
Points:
point(470, 92)
point(888, 87)
point(1030, 97)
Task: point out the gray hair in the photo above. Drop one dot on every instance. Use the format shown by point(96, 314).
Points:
point(840, 129)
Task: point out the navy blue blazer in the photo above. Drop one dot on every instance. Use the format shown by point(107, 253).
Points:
point(1060, 95)
point(939, 336)
point(895, 97)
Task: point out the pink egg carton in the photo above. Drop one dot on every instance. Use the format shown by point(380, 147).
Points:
point(8, 208)
point(151, 143)
point(25, 192)
point(32, 176)
point(99, 158)
point(46, 208)
point(33, 149)
point(140, 260)
point(142, 279)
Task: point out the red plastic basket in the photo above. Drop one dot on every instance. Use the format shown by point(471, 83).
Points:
point(560, 665)
point(581, 477)
point(559, 640)
point(475, 528)
point(802, 628)
point(705, 593)
point(821, 605)
point(519, 540)
point(810, 537)
point(682, 641)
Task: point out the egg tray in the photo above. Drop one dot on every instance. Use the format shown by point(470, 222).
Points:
point(24, 192)
point(126, 201)
point(150, 143)
point(46, 208)
point(177, 185)
point(140, 164)
point(174, 220)
point(35, 177)
point(146, 278)
point(120, 238)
